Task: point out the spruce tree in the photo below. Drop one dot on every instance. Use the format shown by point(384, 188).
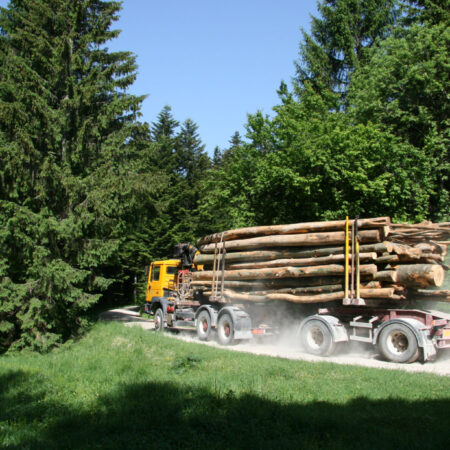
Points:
point(70, 184)
point(338, 43)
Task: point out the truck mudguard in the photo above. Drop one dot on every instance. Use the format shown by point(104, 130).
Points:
point(241, 321)
point(420, 332)
point(337, 330)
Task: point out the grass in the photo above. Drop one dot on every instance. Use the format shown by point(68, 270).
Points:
point(124, 387)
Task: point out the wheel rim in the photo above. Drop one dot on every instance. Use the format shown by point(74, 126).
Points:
point(397, 342)
point(157, 322)
point(315, 338)
point(205, 325)
point(226, 329)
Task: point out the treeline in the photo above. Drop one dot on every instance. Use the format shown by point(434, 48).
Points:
point(89, 193)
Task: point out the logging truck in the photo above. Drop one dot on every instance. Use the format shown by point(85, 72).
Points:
point(322, 317)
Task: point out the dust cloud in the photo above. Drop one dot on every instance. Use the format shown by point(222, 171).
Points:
point(352, 353)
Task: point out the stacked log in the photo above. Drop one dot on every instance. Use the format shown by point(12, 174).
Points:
point(305, 262)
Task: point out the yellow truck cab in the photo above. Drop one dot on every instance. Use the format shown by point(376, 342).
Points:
point(162, 279)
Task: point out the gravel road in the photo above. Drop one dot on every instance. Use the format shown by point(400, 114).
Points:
point(357, 354)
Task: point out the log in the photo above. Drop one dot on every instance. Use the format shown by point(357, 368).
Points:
point(284, 272)
point(293, 291)
point(389, 276)
point(310, 289)
point(267, 255)
point(420, 275)
point(378, 293)
point(294, 240)
point(319, 298)
point(272, 283)
point(297, 228)
point(300, 262)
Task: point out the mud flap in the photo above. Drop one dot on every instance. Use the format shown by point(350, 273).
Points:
point(241, 321)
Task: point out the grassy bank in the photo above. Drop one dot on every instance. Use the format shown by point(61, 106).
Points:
point(128, 388)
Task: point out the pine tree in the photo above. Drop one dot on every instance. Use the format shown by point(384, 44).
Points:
point(164, 132)
point(70, 182)
point(339, 41)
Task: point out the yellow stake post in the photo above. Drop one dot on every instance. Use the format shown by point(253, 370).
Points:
point(346, 257)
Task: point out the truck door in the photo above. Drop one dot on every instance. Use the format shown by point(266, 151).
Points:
point(155, 287)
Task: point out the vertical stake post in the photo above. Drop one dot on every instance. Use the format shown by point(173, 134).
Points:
point(346, 258)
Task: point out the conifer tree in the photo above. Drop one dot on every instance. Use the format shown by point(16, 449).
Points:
point(70, 180)
point(339, 41)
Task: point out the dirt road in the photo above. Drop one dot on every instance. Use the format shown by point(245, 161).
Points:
point(357, 354)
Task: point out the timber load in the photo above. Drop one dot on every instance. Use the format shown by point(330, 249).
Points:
point(365, 261)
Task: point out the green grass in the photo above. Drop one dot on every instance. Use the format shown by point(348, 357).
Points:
point(124, 387)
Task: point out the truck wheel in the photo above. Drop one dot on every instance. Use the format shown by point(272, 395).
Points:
point(225, 329)
point(397, 343)
point(203, 325)
point(316, 338)
point(159, 320)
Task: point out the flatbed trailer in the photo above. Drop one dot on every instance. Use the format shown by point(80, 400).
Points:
point(401, 335)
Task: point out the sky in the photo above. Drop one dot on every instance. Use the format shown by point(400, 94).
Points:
point(212, 61)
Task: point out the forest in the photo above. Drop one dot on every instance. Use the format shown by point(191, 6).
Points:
point(89, 193)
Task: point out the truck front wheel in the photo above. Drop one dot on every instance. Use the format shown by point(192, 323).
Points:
point(225, 329)
point(317, 339)
point(397, 343)
point(159, 320)
point(203, 325)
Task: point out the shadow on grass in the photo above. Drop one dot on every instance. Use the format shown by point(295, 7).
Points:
point(163, 415)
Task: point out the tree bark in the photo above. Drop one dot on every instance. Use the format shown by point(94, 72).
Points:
point(295, 240)
point(420, 275)
point(297, 228)
point(319, 298)
point(268, 255)
point(299, 262)
point(284, 272)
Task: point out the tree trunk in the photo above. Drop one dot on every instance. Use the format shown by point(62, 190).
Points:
point(420, 275)
point(297, 228)
point(299, 262)
point(283, 272)
point(295, 240)
point(238, 297)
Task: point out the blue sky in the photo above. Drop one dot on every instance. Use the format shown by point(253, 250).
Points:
point(212, 61)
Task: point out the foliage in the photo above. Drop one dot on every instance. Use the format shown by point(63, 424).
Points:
point(364, 131)
point(73, 165)
point(339, 41)
point(89, 194)
point(402, 89)
point(182, 158)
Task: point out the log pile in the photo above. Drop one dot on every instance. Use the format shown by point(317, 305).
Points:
point(305, 262)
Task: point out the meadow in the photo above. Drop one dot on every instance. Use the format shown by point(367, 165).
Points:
point(121, 387)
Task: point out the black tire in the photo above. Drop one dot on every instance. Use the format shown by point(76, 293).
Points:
point(203, 325)
point(225, 329)
point(159, 320)
point(397, 343)
point(316, 338)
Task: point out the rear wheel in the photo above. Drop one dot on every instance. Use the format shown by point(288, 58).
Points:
point(397, 343)
point(203, 325)
point(159, 320)
point(225, 329)
point(317, 339)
